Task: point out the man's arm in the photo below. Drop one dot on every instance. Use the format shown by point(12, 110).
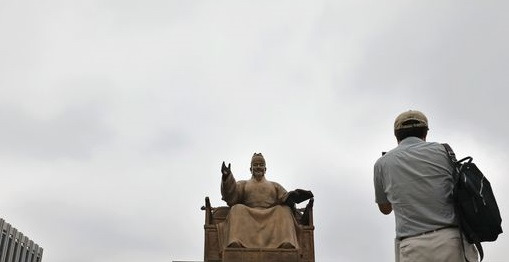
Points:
point(385, 208)
point(380, 195)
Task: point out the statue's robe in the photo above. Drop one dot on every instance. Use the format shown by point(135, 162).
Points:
point(258, 217)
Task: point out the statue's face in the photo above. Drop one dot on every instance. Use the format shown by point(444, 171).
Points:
point(258, 168)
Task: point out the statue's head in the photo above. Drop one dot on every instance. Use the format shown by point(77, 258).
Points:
point(258, 167)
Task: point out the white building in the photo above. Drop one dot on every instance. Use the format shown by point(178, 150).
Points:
point(15, 247)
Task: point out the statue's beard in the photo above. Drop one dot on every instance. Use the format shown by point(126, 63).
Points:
point(258, 174)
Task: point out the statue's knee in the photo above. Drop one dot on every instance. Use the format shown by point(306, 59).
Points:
point(238, 208)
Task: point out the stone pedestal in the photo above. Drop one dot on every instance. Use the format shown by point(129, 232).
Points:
point(260, 254)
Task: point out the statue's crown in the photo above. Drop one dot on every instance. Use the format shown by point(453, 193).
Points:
point(257, 156)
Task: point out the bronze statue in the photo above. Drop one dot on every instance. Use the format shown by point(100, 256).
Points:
point(262, 211)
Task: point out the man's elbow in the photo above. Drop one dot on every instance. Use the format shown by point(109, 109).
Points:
point(385, 208)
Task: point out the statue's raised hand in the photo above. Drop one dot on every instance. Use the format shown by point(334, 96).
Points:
point(225, 170)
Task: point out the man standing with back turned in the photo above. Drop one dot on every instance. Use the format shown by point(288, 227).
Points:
point(415, 180)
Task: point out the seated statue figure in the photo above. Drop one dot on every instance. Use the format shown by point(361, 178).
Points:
point(261, 214)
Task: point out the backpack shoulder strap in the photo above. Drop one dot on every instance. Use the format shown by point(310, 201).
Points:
point(450, 152)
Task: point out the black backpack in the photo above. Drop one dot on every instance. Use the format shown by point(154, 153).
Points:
point(475, 205)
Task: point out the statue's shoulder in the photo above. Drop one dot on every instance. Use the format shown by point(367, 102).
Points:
point(242, 182)
point(276, 184)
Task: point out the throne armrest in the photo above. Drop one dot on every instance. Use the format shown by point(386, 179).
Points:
point(208, 211)
point(214, 215)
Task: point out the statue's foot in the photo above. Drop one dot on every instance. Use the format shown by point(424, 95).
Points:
point(286, 245)
point(235, 244)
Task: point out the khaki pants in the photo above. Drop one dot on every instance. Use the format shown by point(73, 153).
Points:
point(440, 246)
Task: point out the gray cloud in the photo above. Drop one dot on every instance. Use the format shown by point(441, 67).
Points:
point(74, 133)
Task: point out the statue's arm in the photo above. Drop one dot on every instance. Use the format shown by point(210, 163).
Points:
point(230, 190)
point(281, 192)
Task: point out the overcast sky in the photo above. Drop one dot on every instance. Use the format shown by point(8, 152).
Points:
point(116, 114)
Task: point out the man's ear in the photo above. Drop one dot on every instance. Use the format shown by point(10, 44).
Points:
point(425, 135)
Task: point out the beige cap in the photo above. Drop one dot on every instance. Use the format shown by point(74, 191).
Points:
point(410, 119)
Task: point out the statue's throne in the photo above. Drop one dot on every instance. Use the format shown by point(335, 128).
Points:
point(215, 253)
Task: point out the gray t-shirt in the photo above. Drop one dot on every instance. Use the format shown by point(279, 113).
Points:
point(416, 178)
